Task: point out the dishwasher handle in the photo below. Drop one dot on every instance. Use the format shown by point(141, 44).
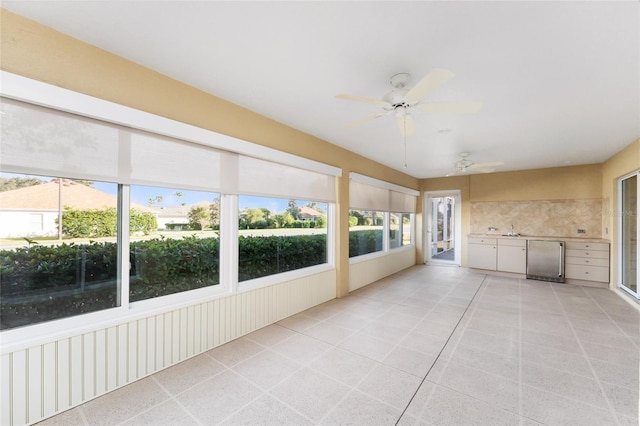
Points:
point(561, 260)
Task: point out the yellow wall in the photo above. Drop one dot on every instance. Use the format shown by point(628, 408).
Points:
point(558, 183)
point(624, 162)
point(38, 52)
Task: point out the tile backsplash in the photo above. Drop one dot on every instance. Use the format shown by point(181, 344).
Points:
point(553, 218)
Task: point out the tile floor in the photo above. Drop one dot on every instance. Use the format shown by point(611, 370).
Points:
point(432, 345)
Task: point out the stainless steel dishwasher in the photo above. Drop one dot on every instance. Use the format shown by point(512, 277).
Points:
point(545, 260)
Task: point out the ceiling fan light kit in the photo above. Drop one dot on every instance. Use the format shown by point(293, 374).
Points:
point(404, 102)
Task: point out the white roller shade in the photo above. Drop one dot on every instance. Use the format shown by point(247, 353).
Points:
point(367, 193)
point(162, 161)
point(265, 178)
point(46, 142)
point(402, 203)
point(368, 197)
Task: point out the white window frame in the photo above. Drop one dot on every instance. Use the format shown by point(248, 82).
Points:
point(386, 249)
point(621, 213)
point(35, 92)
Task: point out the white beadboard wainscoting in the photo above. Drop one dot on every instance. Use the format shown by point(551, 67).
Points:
point(49, 378)
point(374, 267)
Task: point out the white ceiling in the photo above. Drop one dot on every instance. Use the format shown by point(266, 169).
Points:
point(559, 81)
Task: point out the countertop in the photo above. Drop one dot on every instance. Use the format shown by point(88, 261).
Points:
point(541, 237)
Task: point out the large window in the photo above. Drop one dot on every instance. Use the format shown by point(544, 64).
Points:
point(365, 232)
point(399, 229)
point(65, 262)
point(376, 206)
point(96, 215)
point(174, 244)
point(278, 235)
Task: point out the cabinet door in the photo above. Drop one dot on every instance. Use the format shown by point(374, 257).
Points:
point(482, 256)
point(512, 259)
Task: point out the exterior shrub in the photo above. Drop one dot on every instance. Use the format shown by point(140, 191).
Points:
point(41, 283)
point(364, 242)
point(95, 223)
point(263, 256)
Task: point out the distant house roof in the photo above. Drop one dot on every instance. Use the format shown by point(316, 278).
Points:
point(46, 195)
point(179, 211)
point(309, 213)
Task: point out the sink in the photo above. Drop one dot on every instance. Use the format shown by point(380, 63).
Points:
point(512, 235)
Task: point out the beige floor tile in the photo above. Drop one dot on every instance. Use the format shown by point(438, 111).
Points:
point(572, 386)
point(554, 409)
point(215, 399)
point(448, 407)
point(266, 411)
point(360, 409)
point(490, 388)
point(235, 351)
point(330, 333)
point(367, 346)
point(168, 413)
point(270, 335)
point(188, 373)
point(394, 387)
point(344, 366)
point(124, 403)
point(301, 348)
point(267, 369)
point(310, 393)
point(410, 361)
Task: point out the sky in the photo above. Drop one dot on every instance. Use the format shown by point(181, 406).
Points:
point(141, 195)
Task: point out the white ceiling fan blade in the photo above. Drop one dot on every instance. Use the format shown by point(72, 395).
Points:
point(364, 99)
point(488, 164)
point(428, 83)
point(460, 107)
point(406, 125)
point(366, 119)
point(483, 170)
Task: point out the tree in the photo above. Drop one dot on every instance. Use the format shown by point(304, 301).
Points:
point(9, 184)
point(214, 213)
point(199, 217)
point(293, 209)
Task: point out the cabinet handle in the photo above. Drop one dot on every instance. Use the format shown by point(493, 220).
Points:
point(586, 261)
point(587, 253)
point(586, 245)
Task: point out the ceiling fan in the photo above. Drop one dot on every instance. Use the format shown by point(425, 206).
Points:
point(464, 165)
point(403, 102)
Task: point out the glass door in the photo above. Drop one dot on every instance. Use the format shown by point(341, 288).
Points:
point(628, 228)
point(443, 227)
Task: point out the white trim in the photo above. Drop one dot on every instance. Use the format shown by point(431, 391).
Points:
point(382, 184)
point(36, 92)
point(457, 195)
point(620, 214)
point(282, 277)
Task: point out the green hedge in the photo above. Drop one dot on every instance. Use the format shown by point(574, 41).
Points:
point(95, 223)
point(262, 256)
point(364, 242)
point(42, 283)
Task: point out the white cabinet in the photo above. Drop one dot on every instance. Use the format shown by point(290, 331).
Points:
point(482, 253)
point(587, 261)
point(512, 255)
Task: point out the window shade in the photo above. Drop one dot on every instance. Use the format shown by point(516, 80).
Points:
point(161, 161)
point(366, 196)
point(260, 177)
point(402, 203)
point(68, 145)
point(47, 142)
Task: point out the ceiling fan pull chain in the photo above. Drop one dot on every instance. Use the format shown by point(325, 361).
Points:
point(405, 141)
